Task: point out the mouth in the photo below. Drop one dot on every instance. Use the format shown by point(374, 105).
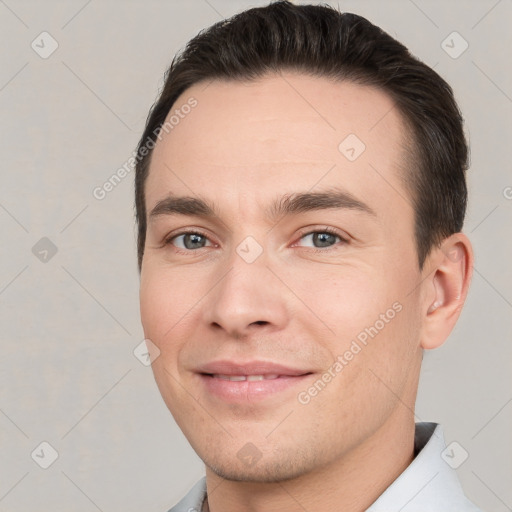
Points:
point(249, 382)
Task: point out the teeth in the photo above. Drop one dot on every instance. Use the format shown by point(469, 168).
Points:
point(236, 378)
point(231, 377)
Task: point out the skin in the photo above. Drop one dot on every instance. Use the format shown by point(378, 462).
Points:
point(299, 303)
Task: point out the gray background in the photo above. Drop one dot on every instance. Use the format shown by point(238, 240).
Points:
point(70, 320)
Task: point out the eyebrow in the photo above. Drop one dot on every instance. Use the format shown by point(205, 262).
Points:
point(288, 204)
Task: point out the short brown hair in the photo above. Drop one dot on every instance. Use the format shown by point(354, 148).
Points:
point(319, 40)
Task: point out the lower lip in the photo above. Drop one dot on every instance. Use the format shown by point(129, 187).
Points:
point(250, 390)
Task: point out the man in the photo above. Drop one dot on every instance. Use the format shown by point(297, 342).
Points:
point(300, 195)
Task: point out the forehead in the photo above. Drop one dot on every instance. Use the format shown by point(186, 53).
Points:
point(288, 132)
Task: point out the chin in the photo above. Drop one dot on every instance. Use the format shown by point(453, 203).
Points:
point(259, 472)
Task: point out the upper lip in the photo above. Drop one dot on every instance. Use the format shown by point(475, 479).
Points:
point(226, 367)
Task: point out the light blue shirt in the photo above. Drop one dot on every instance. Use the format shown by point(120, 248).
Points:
point(429, 484)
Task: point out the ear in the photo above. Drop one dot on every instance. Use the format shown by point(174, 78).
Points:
point(446, 288)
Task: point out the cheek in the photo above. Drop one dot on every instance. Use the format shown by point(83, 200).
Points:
point(155, 324)
point(345, 300)
point(376, 367)
point(373, 317)
point(165, 301)
point(152, 302)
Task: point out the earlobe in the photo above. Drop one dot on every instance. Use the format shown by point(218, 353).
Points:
point(449, 283)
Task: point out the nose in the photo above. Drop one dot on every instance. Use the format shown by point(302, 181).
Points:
point(249, 297)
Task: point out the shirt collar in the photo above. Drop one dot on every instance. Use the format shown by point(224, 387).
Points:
point(429, 483)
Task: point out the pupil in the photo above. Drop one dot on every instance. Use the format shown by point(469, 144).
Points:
point(323, 238)
point(196, 239)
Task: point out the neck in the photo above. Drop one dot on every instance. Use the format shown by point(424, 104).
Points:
point(351, 484)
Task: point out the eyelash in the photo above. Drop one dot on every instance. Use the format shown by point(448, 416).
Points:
point(302, 234)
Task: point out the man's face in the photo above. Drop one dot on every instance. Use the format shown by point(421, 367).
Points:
point(249, 293)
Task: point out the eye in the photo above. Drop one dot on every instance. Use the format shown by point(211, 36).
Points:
point(188, 240)
point(325, 238)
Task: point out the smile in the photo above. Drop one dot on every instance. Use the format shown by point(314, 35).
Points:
point(248, 389)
